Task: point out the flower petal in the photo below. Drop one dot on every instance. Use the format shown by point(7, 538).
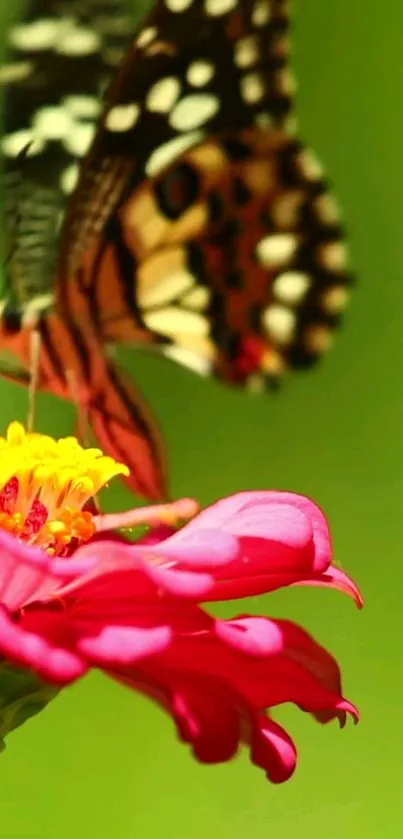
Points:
point(51, 660)
point(253, 636)
point(237, 510)
point(124, 644)
point(282, 539)
point(28, 573)
point(207, 719)
point(199, 548)
point(272, 749)
point(338, 579)
point(180, 583)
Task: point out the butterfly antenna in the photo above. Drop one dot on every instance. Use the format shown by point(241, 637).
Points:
point(35, 346)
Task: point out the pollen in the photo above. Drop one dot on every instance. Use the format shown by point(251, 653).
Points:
point(45, 485)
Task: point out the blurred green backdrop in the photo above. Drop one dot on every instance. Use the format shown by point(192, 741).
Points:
point(100, 762)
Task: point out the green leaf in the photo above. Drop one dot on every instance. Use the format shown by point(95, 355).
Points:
point(22, 695)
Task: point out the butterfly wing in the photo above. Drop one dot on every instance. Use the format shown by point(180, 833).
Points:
point(175, 87)
point(200, 224)
point(60, 60)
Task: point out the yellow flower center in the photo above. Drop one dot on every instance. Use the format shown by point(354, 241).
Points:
point(44, 485)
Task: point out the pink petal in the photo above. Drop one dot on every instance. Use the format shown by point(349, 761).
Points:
point(200, 548)
point(27, 573)
point(207, 719)
point(282, 538)
point(51, 661)
point(217, 686)
point(253, 636)
point(228, 513)
point(180, 583)
point(124, 644)
point(336, 578)
point(134, 571)
point(272, 749)
point(261, 680)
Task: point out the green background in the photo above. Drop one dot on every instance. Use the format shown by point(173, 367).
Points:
point(101, 762)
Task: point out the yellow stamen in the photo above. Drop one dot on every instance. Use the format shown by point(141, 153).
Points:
point(44, 484)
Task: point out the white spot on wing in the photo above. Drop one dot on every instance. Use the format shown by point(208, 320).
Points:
point(16, 72)
point(193, 111)
point(286, 210)
point(146, 36)
point(64, 36)
point(197, 298)
point(318, 338)
point(168, 152)
point(333, 256)
point(286, 83)
point(173, 321)
point(194, 362)
point(334, 299)
point(77, 40)
point(79, 140)
point(82, 107)
point(309, 165)
point(200, 73)
point(122, 117)
point(69, 178)
point(163, 95)
point(261, 13)
point(276, 249)
point(35, 36)
point(280, 324)
point(246, 51)
point(215, 8)
point(178, 5)
point(291, 287)
point(53, 123)
point(13, 144)
point(327, 209)
point(165, 290)
point(252, 88)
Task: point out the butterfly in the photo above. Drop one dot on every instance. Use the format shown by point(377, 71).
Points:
point(199, 225)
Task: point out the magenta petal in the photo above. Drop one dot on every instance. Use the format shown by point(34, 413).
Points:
point(71, 568)
point(125, 644)
point(272, 749)
point(207, 719)
point(201, 548)
point(237, 511)
point(53, 663)
point(180, 583)
point(25, 572)
point(336, 578)
point(254, 636)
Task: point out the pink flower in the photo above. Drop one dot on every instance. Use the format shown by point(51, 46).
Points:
point(134, 610)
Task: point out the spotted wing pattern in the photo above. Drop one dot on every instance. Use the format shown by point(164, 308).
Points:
point(59, 61)
point(201, 224)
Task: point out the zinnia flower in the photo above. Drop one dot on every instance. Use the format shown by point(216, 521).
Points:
point(75, 596)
